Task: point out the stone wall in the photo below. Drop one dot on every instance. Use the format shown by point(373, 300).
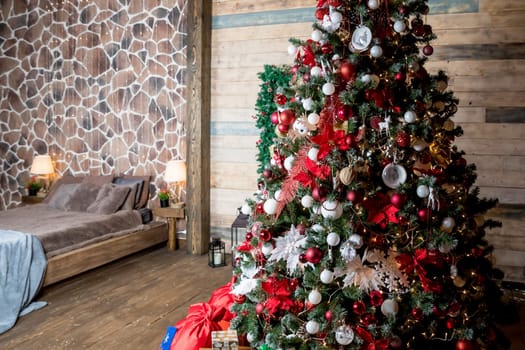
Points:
point(98, 84)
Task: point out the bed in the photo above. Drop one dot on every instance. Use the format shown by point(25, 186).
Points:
point(88, 221)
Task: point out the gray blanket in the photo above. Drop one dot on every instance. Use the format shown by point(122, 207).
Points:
point(22, 268)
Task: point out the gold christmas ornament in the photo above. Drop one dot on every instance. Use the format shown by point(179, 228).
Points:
point(440, 150)
point(448, 125)
point(346, 175)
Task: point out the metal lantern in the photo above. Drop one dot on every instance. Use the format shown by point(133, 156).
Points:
point(216, 253)
point(240, 222)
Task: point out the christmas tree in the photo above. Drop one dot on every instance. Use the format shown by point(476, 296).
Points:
point(366, 231)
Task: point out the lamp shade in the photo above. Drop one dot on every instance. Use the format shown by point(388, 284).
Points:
point(175, 171)
point(42, 165)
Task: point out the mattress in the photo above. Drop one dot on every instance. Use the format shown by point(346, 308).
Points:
point(60, 231)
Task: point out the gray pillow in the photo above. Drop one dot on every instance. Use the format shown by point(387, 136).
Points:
point(62, 195)
point(129, 202)
point(82, 197)
point(109, 199)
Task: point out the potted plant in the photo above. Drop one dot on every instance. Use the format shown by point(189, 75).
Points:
point(33, 186)
point(164, 198)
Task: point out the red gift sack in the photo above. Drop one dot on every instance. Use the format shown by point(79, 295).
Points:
point(194, 331)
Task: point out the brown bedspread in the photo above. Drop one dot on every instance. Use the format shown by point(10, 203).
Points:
point(60, 231)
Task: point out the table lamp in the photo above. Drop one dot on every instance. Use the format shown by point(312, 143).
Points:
point(43, 167)
point(175, 174)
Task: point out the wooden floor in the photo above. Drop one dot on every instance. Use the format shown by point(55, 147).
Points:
point(124, 305)
point(129, 303)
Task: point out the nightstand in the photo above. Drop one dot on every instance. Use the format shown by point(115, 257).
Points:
point(32, 199)
point(172, 214)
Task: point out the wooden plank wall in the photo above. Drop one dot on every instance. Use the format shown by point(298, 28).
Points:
point(481, 46)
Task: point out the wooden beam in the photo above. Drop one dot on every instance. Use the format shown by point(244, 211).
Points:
point(198, 126)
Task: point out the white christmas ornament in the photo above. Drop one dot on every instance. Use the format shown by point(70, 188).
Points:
point(318, 228)
point(288, 162)
point(361, 38)
point(333, 239)
point(313, 118)
point(328, 89)
point(376, 51)
point(448, 223)
point(312, 327)
point(300, 128)
point(400, 26)
point(314, 297)
point(422, 191)
point(394, 175)
point(373, 4)
point(317, 35)
point(419, 145)
point(331, 210)
point(312, 153)
point(307, 201)
point(356, 240)
point(277, 194)
point(316, 71)
point(410, 116)
point(326, 276)
point(292, 50)
point(270, 206)
point(366, 78)
point(389, 307)
point(336, 17)
point(308, 104)
point(245, 209)
point(344, 335)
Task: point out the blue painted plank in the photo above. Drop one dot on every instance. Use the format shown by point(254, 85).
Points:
point(303, 15)
point(234, 129)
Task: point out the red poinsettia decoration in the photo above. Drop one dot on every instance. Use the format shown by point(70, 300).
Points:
point(279, 292)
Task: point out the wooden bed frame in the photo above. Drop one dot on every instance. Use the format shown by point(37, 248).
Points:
point(62, 266)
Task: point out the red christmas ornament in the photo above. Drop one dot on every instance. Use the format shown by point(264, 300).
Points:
point(354, 196)
point(328, 315)
point(249, 236)
point(347, 71)
point(319, 193)
point(401, 76)
point(313, 255)
point(374, 122)
point(385, 162)
point(275, 118)
point(301, 228)
point(342, 113)
point(428, 50)
point(398, 200)
point(294, 283)
point(286, 117)
point(358, 307)
point(259, 208)
point(280, 99)
point(417, 313)
point(327, 49)
point(418, 30)
point(265, 235)
point(423, 214)
point(283, 128)
point(450, 324)
point(259, 308)
point(306, 77)
point(368, 319)
point(464, 344)
point(334, 3)
point(302, 258)
point(403, 139)
point(267, 173)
